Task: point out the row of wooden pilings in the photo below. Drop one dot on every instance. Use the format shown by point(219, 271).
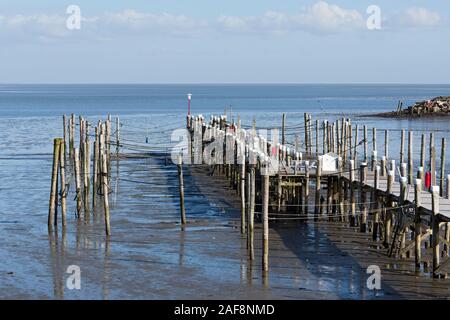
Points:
point(246, 159)
point(72, 166)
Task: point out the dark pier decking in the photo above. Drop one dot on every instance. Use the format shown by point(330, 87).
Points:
point(243, 217)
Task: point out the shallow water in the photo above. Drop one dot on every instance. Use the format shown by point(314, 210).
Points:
point(148, 256)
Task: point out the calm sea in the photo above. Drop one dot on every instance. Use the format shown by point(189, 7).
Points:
point(31, 116)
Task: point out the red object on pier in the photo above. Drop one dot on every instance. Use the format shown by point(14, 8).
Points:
point(428, 179)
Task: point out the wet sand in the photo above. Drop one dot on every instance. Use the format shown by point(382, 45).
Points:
point(149, 256)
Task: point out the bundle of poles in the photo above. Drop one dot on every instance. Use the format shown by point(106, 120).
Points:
point(74, 164)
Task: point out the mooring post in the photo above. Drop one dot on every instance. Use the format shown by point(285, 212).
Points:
point(435, 228)
point(54, 183)
point(252, 212)
point(356, 143)
point(306, 188)
point(448, 186)
point(265, 220)
point(65, 137)
point(106, 193)
point(283, 129)
point(389, 204)
point(317, 137)
point(72, 137)
point(78, 182)
point(386, 144)
point(117, 136)
point(383, 166)
point(421, 176)
point(422, 152)
point(310, 133)
point(352, 194)
point(95, 170)
point(374, 148)
point(365, 144)
point(362, 182)
point(306, 132)
point(63, 191)
point(318, 186)
point(242, 182)
point(442, 177)
point(87, 172)
point(410, 158)
point(402, 146)
point(108, 142)
point(404, 170)
point(376, 202)
point(432, 160)
point(417, 221)
point(181, 182)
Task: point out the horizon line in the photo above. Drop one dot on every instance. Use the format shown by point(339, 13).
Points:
point(220, 83)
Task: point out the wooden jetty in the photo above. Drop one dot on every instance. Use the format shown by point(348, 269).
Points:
point(331, 176)
point(335, 182)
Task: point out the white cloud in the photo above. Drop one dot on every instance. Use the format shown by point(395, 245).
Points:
point(132, 20)
point(421, 17)
point(321, 17)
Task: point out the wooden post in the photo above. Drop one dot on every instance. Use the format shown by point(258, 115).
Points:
point(432, 160)
point(242, 181)
point(117, 136)
point(422, 152)
point(365, 144)
point(374, 148)
point(252, 212)
point(65, 138)
point(72, 136)
point(383, 166)
point(318, 186)
point(310, 134)
point(352, 194)
point(87, 172)
point(63, 191)
point(402, 146)
point(410, 158)
point(435, 228)
point(108, 142)
point(54, 183)
point(283, 129)
point(180, 179)
point(355, 150)
point(389, 204)
point(95, 169)
point(265, 220)
point(317, 138)
point(306, 132)
point(375, 200)
point(442, 180)
point(362, 180)
point(386, 144)
point(448, 186)
point(306, 188)
point(417, 221)
point(78, 181)
point(105, 188)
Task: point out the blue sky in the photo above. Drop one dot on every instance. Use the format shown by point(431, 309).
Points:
point(204, 41)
